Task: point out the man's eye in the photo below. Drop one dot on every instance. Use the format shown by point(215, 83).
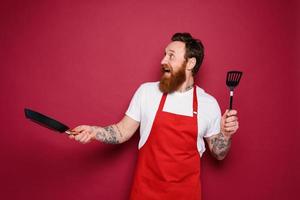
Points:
point(171, 56)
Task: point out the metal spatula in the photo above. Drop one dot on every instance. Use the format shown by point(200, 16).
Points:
point(232, 80)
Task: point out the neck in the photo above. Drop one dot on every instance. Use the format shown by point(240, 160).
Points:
point(187, 85)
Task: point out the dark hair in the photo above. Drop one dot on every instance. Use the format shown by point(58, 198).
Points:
point(193, 48)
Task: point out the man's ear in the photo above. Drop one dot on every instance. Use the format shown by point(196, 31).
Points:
point(191, 63)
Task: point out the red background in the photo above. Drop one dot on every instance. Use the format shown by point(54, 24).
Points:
point(81, 61)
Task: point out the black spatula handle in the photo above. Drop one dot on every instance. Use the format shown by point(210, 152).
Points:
point(231, 99)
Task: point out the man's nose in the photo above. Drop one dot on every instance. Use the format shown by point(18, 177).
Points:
point(164, 60)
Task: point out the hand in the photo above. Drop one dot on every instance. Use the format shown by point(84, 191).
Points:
point(229, 123)
point(83, 134)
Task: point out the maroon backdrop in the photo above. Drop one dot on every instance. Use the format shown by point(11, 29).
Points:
point(81, 61)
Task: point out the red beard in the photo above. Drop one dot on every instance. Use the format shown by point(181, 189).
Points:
point(171, 83)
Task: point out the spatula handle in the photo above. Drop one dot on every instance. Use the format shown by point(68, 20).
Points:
point(231, 99)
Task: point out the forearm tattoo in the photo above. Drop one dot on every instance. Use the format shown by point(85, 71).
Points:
point(109, 135)
point(220, 146)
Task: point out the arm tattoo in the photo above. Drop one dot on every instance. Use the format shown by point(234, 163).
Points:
point(108, 134)
point(220, 146)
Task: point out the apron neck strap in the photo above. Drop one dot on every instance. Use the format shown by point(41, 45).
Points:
point(195, 101)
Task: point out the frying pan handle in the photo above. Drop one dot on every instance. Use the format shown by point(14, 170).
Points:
point(69, 132)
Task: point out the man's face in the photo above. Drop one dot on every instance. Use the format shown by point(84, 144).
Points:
point(173, 67)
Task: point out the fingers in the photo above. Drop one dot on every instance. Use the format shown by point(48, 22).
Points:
point(230, 112)
point(230, 116)
point(81, 134)
point(231, 119)
point(84, 137)
point(232, 127)
point(79, 129)
point(72, 133)
point(229, 124)
point(71, 136)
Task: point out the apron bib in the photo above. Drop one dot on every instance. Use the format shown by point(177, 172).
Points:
point(168, 165)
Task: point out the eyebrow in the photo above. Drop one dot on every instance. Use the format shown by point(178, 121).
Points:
point(170, 50)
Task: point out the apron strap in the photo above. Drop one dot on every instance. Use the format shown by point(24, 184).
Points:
point(162, 102)
point(195, 101)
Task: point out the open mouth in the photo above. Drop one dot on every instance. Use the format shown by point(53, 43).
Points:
point(166, 70)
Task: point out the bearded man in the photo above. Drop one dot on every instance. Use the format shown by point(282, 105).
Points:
point(175, 116)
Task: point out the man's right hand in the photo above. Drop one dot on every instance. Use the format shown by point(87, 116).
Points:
point(83, 133)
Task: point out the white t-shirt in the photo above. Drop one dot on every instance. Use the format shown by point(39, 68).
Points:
point(145, 103)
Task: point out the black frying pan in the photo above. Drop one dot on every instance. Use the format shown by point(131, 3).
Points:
point(47, 122)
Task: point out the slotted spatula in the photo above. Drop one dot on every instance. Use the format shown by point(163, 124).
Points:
point(232, 80)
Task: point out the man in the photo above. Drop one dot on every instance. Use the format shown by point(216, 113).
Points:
point(175, 115)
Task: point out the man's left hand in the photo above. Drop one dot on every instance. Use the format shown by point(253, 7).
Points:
point(229, 123)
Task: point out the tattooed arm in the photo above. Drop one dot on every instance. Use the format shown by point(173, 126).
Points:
point(219, 144)
point(113, 134)
point(110, 134)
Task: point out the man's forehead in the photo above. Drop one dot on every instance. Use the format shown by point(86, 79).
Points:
point(176, 46)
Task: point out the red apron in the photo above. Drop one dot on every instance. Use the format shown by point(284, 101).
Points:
point(168, 164)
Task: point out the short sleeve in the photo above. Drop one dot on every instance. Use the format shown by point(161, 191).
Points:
point(134, 109)
point(213, 127)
